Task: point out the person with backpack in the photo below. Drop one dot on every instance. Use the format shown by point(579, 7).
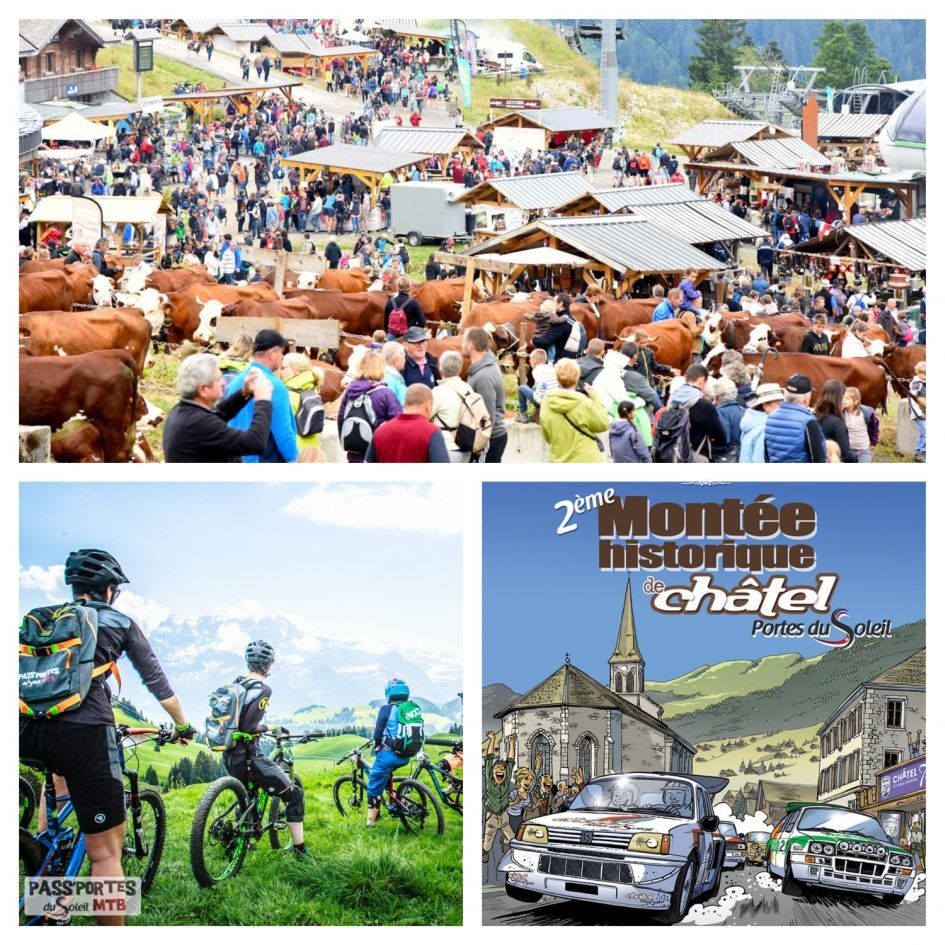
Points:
point(398, 736)
point(366, 403)
point(402, 312)
point(302, 383)
point(626, 441)
point(689, 430)
point(460, 411)
point(485, 378)
point(235, 726)
point(66, 719)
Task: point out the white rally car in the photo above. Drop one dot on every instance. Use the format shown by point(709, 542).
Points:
point(642, 841)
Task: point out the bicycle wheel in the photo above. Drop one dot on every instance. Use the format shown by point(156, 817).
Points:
point(148, 838)
point(418, 809)
point(279, 838)
point(350, 794)
point(27, 801)
point(31, 859)
point(453, 795)
point(217, 837)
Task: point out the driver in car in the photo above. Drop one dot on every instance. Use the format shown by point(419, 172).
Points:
point(676, 799)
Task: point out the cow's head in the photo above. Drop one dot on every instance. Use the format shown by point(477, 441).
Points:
point(154, 306)
point(879, 349)
point(761, 337)
point(712, 331)
point(209, 313)
point(151, 418)
point(307, 280)
point(102, 291)
point(135, 280)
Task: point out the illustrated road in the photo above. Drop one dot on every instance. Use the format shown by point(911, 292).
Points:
point(747, 897)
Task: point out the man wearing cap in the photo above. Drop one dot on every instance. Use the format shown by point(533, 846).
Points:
point(766, 400)
point(792, 433)
point(281, 446)
point(420, 367)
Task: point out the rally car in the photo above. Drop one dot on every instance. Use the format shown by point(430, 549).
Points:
point(837, 848)
point(642, 841)
point(758, 846)
point(736, 848)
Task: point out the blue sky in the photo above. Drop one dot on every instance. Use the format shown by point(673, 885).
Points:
point(373, 564)
point(543, 594)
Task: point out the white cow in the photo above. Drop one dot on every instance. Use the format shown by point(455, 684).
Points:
point(103, 291)
point(307, 280)
point(211, 311)
point(135, 280)
point(152, 419)
point(150, 301)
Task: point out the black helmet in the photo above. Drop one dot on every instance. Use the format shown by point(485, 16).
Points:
point(259, 654)
point(93, 568)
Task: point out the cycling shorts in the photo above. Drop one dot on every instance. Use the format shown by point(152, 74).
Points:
point(269, 776)
point(87, 757)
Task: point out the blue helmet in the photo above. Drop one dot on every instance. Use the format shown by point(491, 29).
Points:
point(396, 689)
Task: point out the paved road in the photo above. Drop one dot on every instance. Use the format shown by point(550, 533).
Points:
point(748, 897)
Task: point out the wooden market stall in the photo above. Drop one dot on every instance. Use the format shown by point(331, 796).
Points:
point(368, 165)
point(716, 133)
point(557, 125)
point(441, 143)
point(245, 98)
point(303, 54)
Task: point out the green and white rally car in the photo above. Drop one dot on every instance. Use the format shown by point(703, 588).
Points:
point(643, 841)
point(823, 845)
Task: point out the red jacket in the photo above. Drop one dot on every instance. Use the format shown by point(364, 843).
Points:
point(405, 439)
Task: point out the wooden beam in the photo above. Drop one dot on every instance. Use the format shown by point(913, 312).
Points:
point(509, 278)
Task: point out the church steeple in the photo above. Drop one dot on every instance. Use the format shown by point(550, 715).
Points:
point(627, 663)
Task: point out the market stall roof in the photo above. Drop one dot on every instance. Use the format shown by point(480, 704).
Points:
point(425, 140)
point(528, 192)
point(773, 152)
point(717, 132)
point(403, 28)
point(279, 86)
point(245, 32)
point(58, 209)
point(882, 178)
point(350, 157)
point(556, 120)
point(540, 256)
point(902, 242)
point(31, 126)
point(849, 126)
point(75, 127)
point(623, 243)
point(198, 24)
point(64, 155)
point(53, 111)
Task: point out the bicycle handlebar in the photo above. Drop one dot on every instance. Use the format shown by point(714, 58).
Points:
point(353, 752)
point(164, 733)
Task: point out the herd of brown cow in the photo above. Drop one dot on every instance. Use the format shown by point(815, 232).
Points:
point(80, 370)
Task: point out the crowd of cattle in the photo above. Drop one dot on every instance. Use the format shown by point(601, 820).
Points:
point(85, 339)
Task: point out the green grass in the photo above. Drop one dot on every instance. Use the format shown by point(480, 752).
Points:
point(355, 877)
point(160, 81)
point(648, 113)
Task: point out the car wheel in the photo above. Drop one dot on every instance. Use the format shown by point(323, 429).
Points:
point(741, 865)
point(414, 238)
point(521, 895)
point(717, 884)
point(892, 900)
point(682, 896)
point(789, 885)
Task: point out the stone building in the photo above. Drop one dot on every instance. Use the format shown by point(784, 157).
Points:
point(571, 720)
point(880, 724)
point(774, 796)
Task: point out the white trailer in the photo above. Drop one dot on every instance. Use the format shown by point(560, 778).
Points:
point(421, 211)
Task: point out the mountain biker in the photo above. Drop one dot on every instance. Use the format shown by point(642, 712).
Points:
point(260, 656)
point(386, 760)
point(80, 745)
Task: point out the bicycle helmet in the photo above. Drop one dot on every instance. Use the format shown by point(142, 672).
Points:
point(91, 567)
point(396, 689)
point(260, 655)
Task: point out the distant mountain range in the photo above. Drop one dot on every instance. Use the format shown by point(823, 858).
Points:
point(657, 52)
point(201, 653)
point(747, 697)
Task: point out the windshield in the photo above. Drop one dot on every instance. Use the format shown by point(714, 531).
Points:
point(759, 836)
point(841, 821)
point(637, 795)
point(727, 830)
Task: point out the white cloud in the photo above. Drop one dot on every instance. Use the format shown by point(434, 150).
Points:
point(244, 608)
point(48, 580)
point(144, 611)
point(371, 669)
point(406, 507)
point(232, 638)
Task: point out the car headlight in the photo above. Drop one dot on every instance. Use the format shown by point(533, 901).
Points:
point(828, 849)
point(816, 848)
point(645, 842)
point(870, 848)
point(894, 860)
point(532, 833)
point(843, 845)
point(880, 851)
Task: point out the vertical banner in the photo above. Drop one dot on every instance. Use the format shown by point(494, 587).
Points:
point(465, 80)
point(160, 235)
point(86, 221)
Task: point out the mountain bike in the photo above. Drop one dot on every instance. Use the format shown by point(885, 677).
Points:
point(230, 818)
point(448, 786)
point(27, 802)
point(59, 850)
point(408, 800)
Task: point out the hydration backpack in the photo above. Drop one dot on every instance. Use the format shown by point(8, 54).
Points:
point(310, 413)
point(671, 438)
point(473, 429)
point(57, 653)
point(577, 340)
point(358, 423)
point(397, 323)
point(409, 738)
point(226, 705)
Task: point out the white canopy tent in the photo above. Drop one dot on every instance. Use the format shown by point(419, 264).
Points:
point(539, 256)
point(75, 127)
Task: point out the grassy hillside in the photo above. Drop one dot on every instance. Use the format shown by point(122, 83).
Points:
point(158, 82)
point(648, 113)
point(385, 877)
point(364, 715)
point(734, 678)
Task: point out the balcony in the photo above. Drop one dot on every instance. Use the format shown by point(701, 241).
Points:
point(72, 85)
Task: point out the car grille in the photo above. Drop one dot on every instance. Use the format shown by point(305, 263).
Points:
point(567, 835)
point(859, 867)
point(596, 870)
